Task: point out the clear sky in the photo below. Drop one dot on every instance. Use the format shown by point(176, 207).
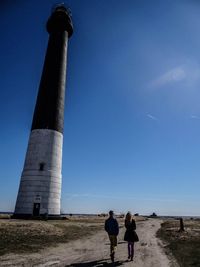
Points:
point(132, 114)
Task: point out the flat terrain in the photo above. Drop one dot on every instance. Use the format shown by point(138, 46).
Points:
point(88, 249)
point(21, 236)
point(185, 245)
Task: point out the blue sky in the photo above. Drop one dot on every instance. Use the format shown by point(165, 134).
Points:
point(132, 114)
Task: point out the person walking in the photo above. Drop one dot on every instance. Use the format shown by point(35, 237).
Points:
point(130, 234)
point(112, 228)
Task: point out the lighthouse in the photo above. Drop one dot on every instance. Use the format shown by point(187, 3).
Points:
point(41, 180)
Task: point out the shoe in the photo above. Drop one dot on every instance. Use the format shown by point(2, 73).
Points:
point(129, 257)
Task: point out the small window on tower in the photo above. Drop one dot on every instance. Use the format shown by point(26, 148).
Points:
point(42, 166)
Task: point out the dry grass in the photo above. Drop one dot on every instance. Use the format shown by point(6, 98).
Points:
point(185, 246)
point(30, 236)
point(5, 216)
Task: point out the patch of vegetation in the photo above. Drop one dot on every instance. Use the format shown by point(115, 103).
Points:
point(30, 236)
point(185, 246)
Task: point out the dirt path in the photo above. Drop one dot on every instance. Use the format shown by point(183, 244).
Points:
point(94, 251)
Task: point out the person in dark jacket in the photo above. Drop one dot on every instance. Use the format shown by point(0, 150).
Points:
point(130, 234)
point(112, 228)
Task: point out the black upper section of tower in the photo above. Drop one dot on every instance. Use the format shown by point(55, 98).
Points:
point(49, 109)
point(60, 20)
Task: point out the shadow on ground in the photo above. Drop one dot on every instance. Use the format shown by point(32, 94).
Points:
point(119, 242)
point(98, 263)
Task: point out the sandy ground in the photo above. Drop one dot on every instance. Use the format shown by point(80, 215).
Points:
point(94, 251)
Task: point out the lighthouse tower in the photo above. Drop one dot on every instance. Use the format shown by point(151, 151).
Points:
point(40, 186)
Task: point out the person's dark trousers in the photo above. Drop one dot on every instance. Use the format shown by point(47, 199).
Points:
point(130, 250)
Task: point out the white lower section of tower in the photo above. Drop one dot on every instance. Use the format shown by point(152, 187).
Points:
point(40, 185)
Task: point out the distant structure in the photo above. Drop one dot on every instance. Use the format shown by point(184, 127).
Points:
point(40, 186)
